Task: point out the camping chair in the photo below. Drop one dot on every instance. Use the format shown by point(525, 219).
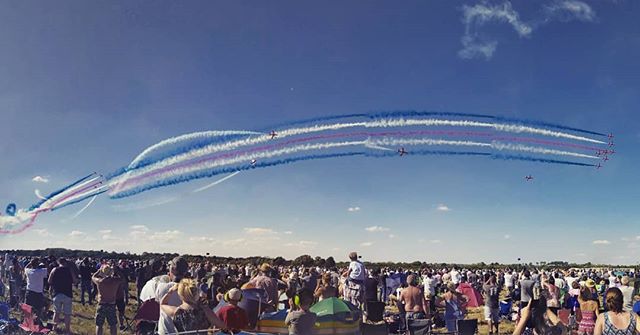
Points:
point(28, 323)
point(505, 309)
point(418, 326)
point(375, 309)
point(146, 318)
point(467, 327)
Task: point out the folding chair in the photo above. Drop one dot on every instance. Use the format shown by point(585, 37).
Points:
point(146, 318)
point(28, 323)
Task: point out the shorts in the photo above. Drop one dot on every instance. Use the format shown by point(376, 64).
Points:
point(491, 314)
point(108, 312)
point(62, 304)
point(34, 299)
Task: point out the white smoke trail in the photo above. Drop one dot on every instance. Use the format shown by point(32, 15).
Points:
point(228, 161)
point(144, 205)
point(184, 138)
point(83, 208)
point(79, 195)
point(39, 195)
point(538, 150)
point(385, 123)
point(215, 183)
point(428, 141)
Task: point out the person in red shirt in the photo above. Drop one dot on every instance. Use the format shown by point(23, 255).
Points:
point(233, 316)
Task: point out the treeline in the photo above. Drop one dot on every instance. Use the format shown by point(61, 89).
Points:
point(303, 260)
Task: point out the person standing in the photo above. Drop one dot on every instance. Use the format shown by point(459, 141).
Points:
point(627, 294)
point(354, 285)
point(61, 282)
point(86, 271)
point(491, 295)
point(36, 276)
point(108, 287)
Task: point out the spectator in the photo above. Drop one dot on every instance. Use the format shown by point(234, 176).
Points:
point(266, 282)
point(491, 295)
point(536, 318)
point(354, 285)
point(589, 309)
point(36, 276)
point(234, 317)
point(415, 304)
point(86, 271)
point(454, 304)
point(108, 287)
point(616, 321)
point(627, 294)
point(178, 269)
point(325, 290)
point(61, 281)
point(299, 319)
point(190, 314)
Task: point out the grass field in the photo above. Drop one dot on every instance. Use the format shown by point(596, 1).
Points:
point(83, 320)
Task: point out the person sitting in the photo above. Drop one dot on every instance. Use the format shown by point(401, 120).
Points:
point(190, 315)
point(299, 319)
point(234, 317)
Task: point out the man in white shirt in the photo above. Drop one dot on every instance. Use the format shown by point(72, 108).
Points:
point(178, 269)
point(455, 276)
point(354, 287)
point(36, 276)
point(508, 281)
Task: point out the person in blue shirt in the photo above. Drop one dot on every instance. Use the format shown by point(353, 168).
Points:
point(636, 305)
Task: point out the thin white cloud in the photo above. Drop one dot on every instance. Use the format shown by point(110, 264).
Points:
point(259, 231)
point(42, 232)
point(443, 208)
point(105, 231)
point(76, 233)
point(139, 227)
point(166, 236)
point(435, 241)
point(353, 209)
point(601, 242)
point(288, 232)
point(40, 179)
point(475, 44)
point(366, 244)
point(302, 244)
point(376, 229)
point(202, 239)
point(392, 236)
point(507, 236)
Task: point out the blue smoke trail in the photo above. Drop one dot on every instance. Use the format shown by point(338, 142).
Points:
point(79, 200)
point(39, 203)
point(216, 171)
point(195, 144)
point(539, 160)
point(546, 124)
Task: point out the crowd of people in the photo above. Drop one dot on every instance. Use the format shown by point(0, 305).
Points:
point(185, 293)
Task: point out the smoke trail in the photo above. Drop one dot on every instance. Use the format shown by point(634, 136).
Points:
point(81, 199)
point(61, 190)
point(201, 138)
point(217, 171)
point(544, 142)
point(538, 150)
point(428, 141)
point(37, 192)
point(539, 160)
point(215, 183)
point(209, 149)
point(84, 208)
point(546, 124)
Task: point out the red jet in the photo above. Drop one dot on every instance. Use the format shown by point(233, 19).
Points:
point(528, 178)
point(253, 162)
point(610, 136)
point(606, 158)
point(273, 134)
point(402, 152)
point(598, 166)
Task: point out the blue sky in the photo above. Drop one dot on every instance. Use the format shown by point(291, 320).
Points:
point(87, 86)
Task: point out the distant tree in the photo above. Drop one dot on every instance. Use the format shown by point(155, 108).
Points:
point(319, 261)
point(304, 260)
point(279, 261)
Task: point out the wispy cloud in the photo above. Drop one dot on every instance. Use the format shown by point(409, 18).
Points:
point(435, 241)
point(77, 233)
point(105, 231)
point(376, 229)
point(40, 179)
point(288, 232)
point(42, 232)
point(259, 231)
point(507, 236)
point(366, 244)
point(601, 242)
point(166, 236)
point(139, 227)
point(353, 209)
point(475, 44)
point(392, 236)
point(301, 244)
point(443, 208)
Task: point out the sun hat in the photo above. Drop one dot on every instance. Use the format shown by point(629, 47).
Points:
point(353, 255)
point(234, 294)
point(590, 283)
point(265, 267)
